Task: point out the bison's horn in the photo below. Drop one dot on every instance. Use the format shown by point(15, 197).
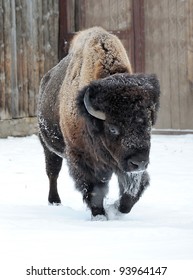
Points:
point(95, 113)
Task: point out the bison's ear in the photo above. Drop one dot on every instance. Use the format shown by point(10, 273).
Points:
point(154, 91)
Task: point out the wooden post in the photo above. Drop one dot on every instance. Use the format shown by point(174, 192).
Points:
point(63, 28)
point(138, 35)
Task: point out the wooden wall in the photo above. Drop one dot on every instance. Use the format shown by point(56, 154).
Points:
point(157, 34)
point(169, 54)
point(28, 48)
point(114, 15)
point(123, 18)
point(158, 37)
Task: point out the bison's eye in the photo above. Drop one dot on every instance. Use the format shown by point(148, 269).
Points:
point(114, 130)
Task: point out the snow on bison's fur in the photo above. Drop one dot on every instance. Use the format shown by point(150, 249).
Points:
point(98, 115)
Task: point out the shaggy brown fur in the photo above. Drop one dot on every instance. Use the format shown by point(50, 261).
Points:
point(96, 148)
point(94, 54)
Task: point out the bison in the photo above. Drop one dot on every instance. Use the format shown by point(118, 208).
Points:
point(97, 114)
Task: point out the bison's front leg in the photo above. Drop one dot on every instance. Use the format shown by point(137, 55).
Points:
point(89, 182)
point(93, 195)
point(131, 185)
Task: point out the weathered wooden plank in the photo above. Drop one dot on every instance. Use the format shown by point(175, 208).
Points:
point(114, 14)
point(128, 13)
point(148, 61)
point(49, 23)
point(20, 60)
point(124, 14)
point(163, 60)
point(46, 35)
point(64, 19)
point(186, 97)
point(25, 96)
point(36, 59)
point(2, 70)
point(96, 14)
point(7, 57)
point(181, 45)
point(77, 13)
point(88, 22)
point(173, 65)
point(157, 53)
point(55, 31)
point(14, 87)
point(30, 53)
point(34, 38)
point(19, 50)
point(190, 42)
point(71, 17)
point(40, 30)
point(103, 12)
point(138, 29)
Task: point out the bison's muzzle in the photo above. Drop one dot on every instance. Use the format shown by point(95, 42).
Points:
point(137, 162)
point(134, 165)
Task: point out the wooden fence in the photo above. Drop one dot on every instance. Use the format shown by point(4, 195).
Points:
point(158, 36)
point(28, 48)
point(169, 54)
point(120, 17)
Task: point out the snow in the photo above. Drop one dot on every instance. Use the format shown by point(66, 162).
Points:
point(159, 227)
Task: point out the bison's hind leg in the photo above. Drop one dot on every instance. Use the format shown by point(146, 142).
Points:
point(53, 167)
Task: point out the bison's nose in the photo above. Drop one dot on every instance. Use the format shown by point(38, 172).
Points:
point(134, 165)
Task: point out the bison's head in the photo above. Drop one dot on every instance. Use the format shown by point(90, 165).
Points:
point(119, 111)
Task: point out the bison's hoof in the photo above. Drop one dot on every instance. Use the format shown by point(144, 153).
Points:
point(126, 203)
point(125, 209)
point(54, 199)
point(97, 211)
point(55, 203)
point(99, 218)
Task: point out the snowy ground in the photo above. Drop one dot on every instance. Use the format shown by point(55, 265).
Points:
point(160, 226)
